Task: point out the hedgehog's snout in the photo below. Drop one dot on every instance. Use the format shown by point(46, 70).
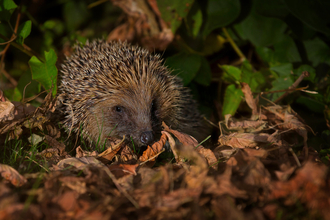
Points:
point(147, 137)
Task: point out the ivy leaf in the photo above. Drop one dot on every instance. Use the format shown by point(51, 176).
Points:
point(23, 31)
point(185, 66)
point(204, 75)
point(45, 72)
point(6, 9)
point(232, 99)
point(313, 13)
point(174, 11)
point(231, 74)
point(260, 30)
point(221, 13)
point(194, 19)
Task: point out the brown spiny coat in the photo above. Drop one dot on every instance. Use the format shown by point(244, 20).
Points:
point(117, 89)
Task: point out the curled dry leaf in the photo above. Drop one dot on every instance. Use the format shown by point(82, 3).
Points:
point(183, 138)
point(150, 153)
point(252, 103)
point(12, 175)
point(244, 125)
point(309, 185)
point(55, 144)
point(83, 153)
point(109, 153)
point(144, 24)
point(6, 111)
point(190, 141)
point(243, 140)
point(77, 184)
point(209, 156)
point(120, 170)
point(127, 155)
point(80, 163)
point(223, 185)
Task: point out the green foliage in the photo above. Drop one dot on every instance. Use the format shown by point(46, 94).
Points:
point(232, 100)
point(184, 65)
point(6, 9)
point(23, 31)
point(220, 14)
point(174, 11)
point(45, 72)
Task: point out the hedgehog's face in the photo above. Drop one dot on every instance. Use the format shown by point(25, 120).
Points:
point(137, 119)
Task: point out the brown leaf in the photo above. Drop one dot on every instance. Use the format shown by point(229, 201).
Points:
point(55, 144)
point(243, 140)
point(109, 153)
point(244, 125)
point(12, 175)
point(144, 24)
point(252, 103)
point(224, 185)
point(83, 153)
point(150, 153)
point(75, 183)
point(127, 155)
point(209, 156)
point(6, 111)
point(185, 139)
point(80, 163)
point(120, 170)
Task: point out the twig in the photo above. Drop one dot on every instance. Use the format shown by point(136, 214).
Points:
point(9, 77)
point(94, 4)
point(294, 85)
point(122, 190)
point(233, 44)
point(13, 36)
point(25, 49)
point(295, 157)
point(284, 90)
point(7, 42)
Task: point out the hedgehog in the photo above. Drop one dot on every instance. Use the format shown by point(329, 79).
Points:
point(112, 89)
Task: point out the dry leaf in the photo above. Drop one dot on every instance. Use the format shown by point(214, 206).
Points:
point(120, 170)
point(12, 175)
point(150, 153)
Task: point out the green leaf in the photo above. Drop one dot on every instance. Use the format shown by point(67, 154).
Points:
point(204, 74)
point(6, 9)
point(231, 74)
point(317, 51)
point(194, 19)
point(260, 30)
point(45, 73)
point(311, 70)
point(286, 50)
point(254, 79)
point(271, 8)
point(232, 99)
point(313, 13)
point(221, 13)
point(75, 14)
point(284, 69)
point(185, 66)
point(23, 31)
point(284, 81)
point(173, 11)
point(266, 54)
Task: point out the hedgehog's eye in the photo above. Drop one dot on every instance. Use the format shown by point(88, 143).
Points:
point(119, 109)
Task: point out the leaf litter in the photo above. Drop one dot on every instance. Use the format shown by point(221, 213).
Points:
point(254, 172)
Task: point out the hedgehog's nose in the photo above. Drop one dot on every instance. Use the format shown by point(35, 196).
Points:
point(147, 137)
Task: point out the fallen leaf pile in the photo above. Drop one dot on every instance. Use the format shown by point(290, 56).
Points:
point(255, 172)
